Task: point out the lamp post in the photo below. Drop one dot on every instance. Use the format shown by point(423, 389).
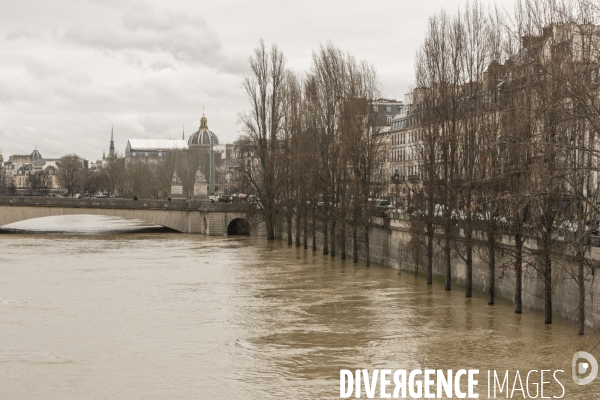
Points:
point(396, 179)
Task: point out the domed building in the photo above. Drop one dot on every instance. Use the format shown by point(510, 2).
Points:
point(203, 137)
point(35, 155)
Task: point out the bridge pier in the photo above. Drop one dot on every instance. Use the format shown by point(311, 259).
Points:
point(196, 222)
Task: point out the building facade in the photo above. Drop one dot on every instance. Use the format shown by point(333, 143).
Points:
point(151, 150)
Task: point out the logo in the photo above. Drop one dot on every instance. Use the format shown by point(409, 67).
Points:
point(581, 367)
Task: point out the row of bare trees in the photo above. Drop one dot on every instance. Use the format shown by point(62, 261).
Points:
point(128, 178)
point(312, 152)
point(507, 112)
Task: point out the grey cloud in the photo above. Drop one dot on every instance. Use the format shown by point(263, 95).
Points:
point(161, 65)
point(18, 34)
point(149, 19)
point(185, 38)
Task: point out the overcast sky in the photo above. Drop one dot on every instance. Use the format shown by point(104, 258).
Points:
point(70, 69)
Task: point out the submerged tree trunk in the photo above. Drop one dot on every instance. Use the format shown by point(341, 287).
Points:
point(305, 230)
point(354, 244)
point(469, 258)
point(314, 230)
point(518, 274)
point(343, 238)
point(290, 240)
point(325, 236)
point(367, 249)
point(581, 279)
point(492, 264)
point(547, 287)
point(298, 226)
point(270, 227)
point(332, 247)
point(430, 254)
point(447, 258)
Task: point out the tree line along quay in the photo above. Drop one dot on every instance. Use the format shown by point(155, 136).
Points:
point(498, 137)
point(491, 158)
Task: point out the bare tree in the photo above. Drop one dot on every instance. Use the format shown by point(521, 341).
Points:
point(265, 88)
point(69, 173)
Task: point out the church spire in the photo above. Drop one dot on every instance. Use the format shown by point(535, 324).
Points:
point(111, 150)
point(183, 134)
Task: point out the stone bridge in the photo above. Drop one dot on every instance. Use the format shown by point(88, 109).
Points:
point(214, 219)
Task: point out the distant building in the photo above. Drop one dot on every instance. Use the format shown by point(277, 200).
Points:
point(203, 137)
point(151, 150)
point(25, 159)
point(29, 172)
point(225, 176)
point(386, 109)
point(405, 143)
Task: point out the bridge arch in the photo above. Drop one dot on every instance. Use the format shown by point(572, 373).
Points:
point(238, 226)
point(176, 220)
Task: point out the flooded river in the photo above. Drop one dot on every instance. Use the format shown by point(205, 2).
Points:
point(100, 308)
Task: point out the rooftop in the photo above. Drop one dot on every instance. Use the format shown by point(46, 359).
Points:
point(154, 145)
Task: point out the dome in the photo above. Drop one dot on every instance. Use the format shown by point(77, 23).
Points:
point(36, 155)
point(203, 136)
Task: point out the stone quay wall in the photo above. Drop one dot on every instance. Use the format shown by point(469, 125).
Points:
point(392, 244)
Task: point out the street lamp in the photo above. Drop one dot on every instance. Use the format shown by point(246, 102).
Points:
point(396, 179)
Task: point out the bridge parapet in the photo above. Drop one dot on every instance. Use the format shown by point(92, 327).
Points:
point(225, 207)
point(176, 205)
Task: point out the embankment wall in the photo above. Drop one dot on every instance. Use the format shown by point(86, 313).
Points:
point(393, 245)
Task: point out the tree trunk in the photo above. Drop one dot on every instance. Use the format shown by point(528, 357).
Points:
point(447, 259)
point(290, 239)
point(492, 264)
point(305, 230)
point(298, 226)
point(367, 249)
point(332, 234)
point(325, 236)
point(270, 227)
point(430, 256)
point(314, 230)
point(354, 244)
point(547, 286)
point(469, 258)
point(518, 274)
point(581, 279)
point(343, 238)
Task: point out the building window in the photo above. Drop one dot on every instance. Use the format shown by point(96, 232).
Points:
point(389, 120)
point(375, 108)
point(388, 108)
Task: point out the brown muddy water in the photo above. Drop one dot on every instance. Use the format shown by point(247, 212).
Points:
point(101, 308)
